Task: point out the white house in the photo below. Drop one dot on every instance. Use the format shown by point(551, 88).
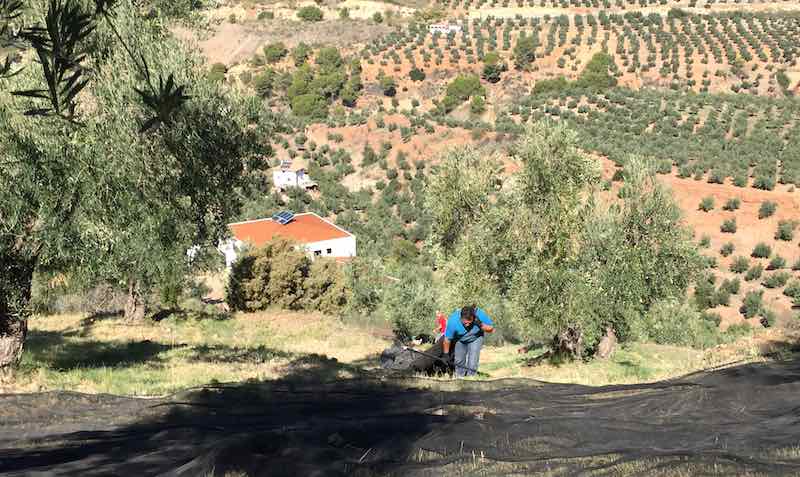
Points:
point(288, 176)
point(444, 28)
point(319, 237)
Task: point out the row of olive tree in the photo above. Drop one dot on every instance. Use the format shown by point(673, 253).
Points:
point(539, 251)
point(114, 163)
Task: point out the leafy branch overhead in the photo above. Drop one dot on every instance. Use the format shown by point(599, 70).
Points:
point(10, 10)
point(58, 46)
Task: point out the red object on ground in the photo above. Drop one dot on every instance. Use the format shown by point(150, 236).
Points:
point(441, 321)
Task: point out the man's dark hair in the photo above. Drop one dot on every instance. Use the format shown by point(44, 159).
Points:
point(468, 312)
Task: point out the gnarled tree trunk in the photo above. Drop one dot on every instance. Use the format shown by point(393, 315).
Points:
point(569, 343)
point(135, 305)
point(16, 277)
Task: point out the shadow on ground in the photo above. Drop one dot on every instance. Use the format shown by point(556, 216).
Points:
point(732, 421)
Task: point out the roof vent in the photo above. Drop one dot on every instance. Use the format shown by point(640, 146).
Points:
point(284, 217)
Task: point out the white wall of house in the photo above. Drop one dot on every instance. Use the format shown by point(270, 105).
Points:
point(335, 248)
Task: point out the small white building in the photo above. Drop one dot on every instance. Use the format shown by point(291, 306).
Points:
point(318, 236)
point(288, 176)
point(444, 28)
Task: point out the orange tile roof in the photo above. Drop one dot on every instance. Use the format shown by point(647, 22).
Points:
point(305, 228)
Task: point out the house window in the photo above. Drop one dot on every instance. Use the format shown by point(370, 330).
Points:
point(329, 251)
point(317, 253)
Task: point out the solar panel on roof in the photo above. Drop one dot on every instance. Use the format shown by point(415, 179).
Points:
point(284, 217)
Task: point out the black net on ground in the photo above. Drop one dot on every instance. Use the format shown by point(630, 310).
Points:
point(741, 420)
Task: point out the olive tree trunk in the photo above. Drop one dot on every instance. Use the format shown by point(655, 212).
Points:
point(15, 296)
point(135, 305)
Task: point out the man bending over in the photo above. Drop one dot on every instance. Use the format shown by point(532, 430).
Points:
point(465, 328)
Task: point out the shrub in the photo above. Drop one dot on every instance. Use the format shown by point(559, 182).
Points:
point(217, 72)
point(388, 85)
point(754, 273)
point(263, 84)
point(785, 230)
point(300, 54)
point(524, 52)
point(729, 226)
point(712, 317)
point(416, 74)
point(707, 204)
point(493, 67)
point(727, 249)
point(310, 13)
point(311, 105)
point(477, 105)
point(796, 265)
point(732, 204)
point(545, 86)
point(767, 209)
point(776, 263)
point(722, 297)
point(768, 318)
point(409, 303)
point(705, 241)
point(732, 285)
point(704, 293)
point(275, 52)
point(752, 304)
point(325, 288)
point(597, 74)
point(675, 322)
point(761, 250)
point(792, 290)
point(266, 15)
point(377, 17)
point(777, 279)
point(461, 89)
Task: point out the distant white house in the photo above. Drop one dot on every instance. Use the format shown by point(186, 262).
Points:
point(444, 28)
point(286, 176)
point(319, 237)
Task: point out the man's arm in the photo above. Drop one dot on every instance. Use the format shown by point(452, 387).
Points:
point(484, 322)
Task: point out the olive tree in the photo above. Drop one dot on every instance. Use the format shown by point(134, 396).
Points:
point(112, 172)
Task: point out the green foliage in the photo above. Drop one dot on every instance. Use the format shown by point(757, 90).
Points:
point(388, 85)
point(275, 52)
point(542, 250)
point(461, 89)
point(310, 13)
point(279, 275)
point(416, 74)
point(792, 290)
point(300, 54)
point(705, 241)
point(786, 230)
point(740, 264)
point(727, 249)
point(732, 204)
point(674, 322)
point(752, 304)
point(547, 86)
point(493, 67)
point(524, 52)
point(410, 303)
point(754, 272)
point(377, 17)
point(266, 15)
point(731, 286)
point(776, 263)
point(767, 209)
point(707, 204)
point(729, 226)
point(477, 105)
point(597, 74)
point(311, 106)
point(761, 250)
point(263, 83)
point(777, 279)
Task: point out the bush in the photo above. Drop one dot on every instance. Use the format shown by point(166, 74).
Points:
point(677, 323)
point(275, 52)
point(310, 13)
point(410, 303)
point(524, 52)
point(461, 89)
point(493, 67)
point(263, 84)
point(752, 304)
point(217, 72)
point(416, 74)
point(740, 264)
point(596, 75)
point(300, 54)
point(732, 286)
point(377, 17)
point(732, 204)
point(754, 273)
point(785, 230)
point(546, 86)
point(722, 297)
point(705, 241)
point(761, 250)
point(707, 204)
point(777, 279)
point(729, 226)
point(704, 293)
point(388, 85)
point(477, 105)
point(768, 318)
point(767, 209)
point(776, 263)
point(792, 290)
point(266, 15)
point(727, 249)
point(312, 106)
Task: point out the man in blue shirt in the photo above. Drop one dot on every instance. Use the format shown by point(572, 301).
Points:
point(466, 328)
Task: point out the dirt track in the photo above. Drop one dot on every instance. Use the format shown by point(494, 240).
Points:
point(727, 422)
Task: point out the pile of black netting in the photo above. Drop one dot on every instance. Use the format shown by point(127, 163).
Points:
point(742, 420)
